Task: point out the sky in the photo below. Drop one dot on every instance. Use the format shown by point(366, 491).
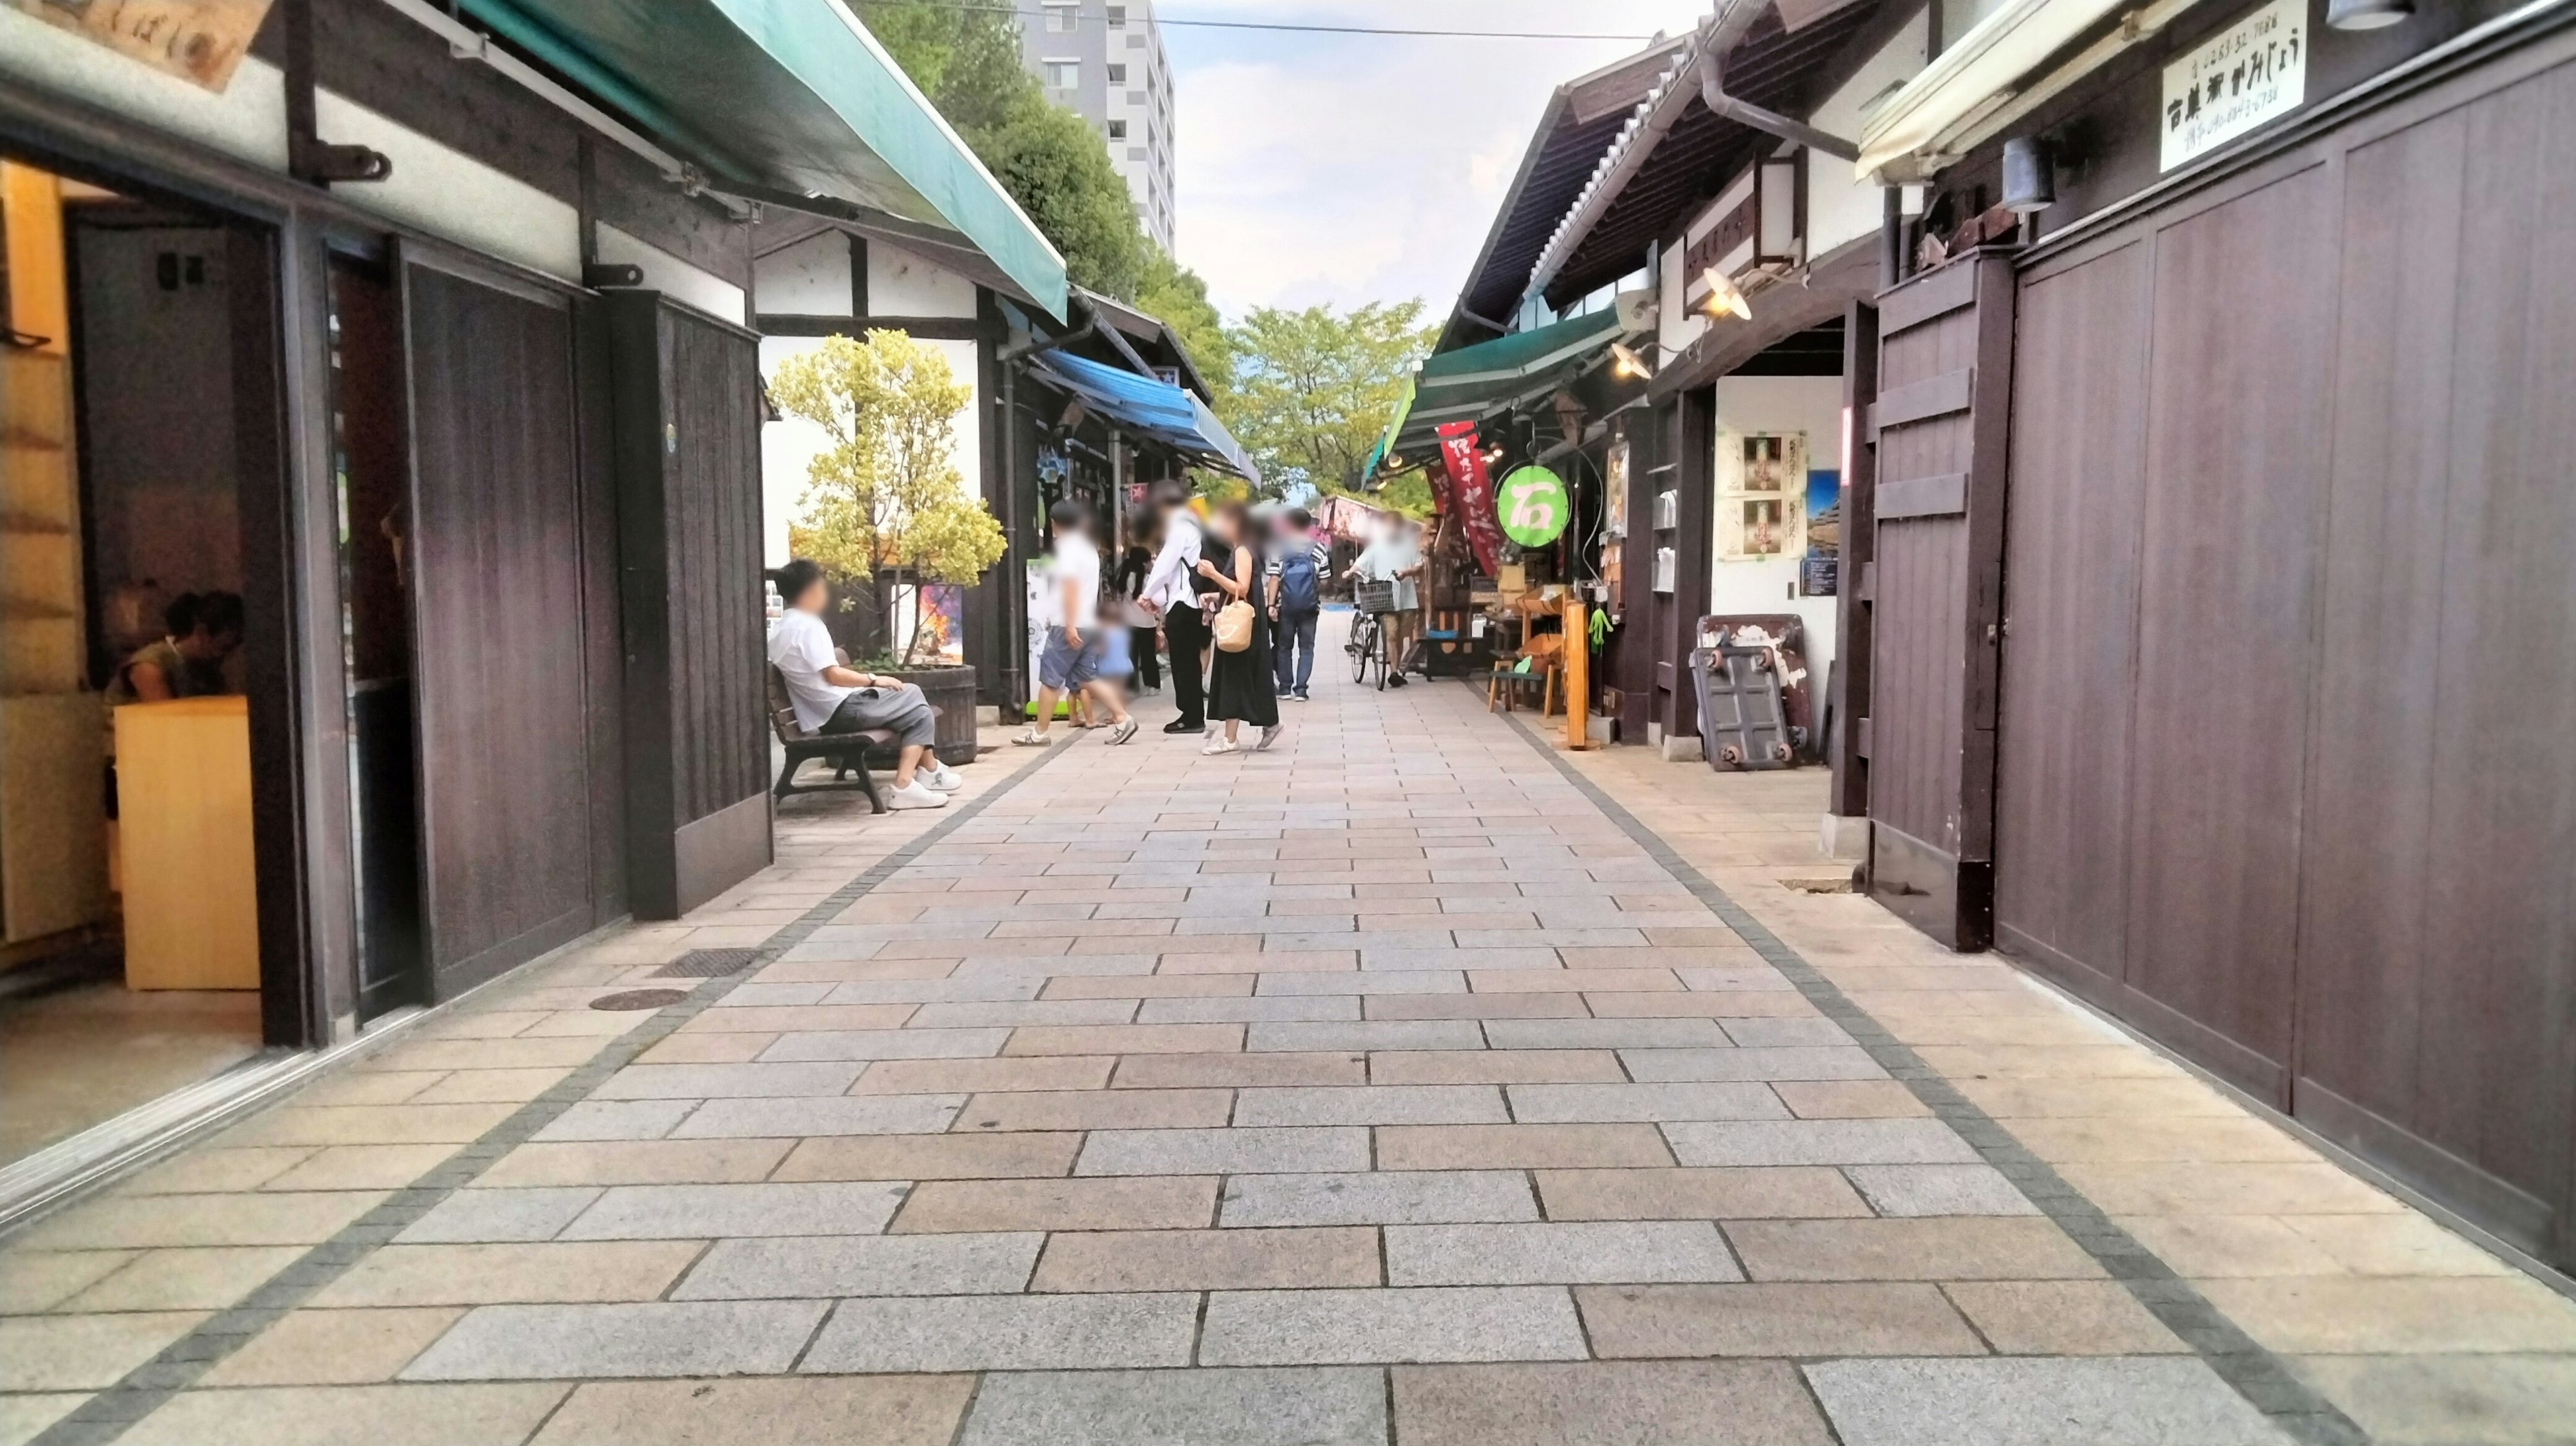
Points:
point(1352, 168)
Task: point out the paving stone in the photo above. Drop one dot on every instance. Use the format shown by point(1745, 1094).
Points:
point(1154, 986)
point(552, 1272)
point(1097, 1110)
point(758, 1411)
point(617, 1120)
point(1126, 1039)
point(2363, 1315)
point(1714, 1065)
point(1248, 1010)
point(796, 1116)
point(1607, 1403)
point(1332, 1327)
point(1939, 1190)
point(1165, 1071)
point(849, 1265)
point(1725, 1005)
point(1850, 1100)
point(333, 1347)
point(1109, 1203)
point(1518, 1147)
point(672, 1212)
point(24, 1418)
point(1473, 1006)
point(1290, 1407)
point(84, 1352)
point(370, 1124)
point(2458, 1400)
point(1557, 1254)
point(1406, 981)
point(737, 1081)
point(1786, 1033)
point(875, 1044)
point(1148, 1260)
point(1819, 1142)
point(978, 1076)
point(1385, 1197)
point(730, 1017)
point(1373, 1034)
point(1239, 1150)
point(971, 989)
point(1495, 1066)
point(1034, 1011)
point(32, 1281)
point(1644, 1103)
point(1873, 1319)
point(930, 1157)
point(1953, 1247)
point(656, 1338)
point(636, 1162)
point(395, 1415)
point(2062, 1318)
point(1695, 1193)
point(1372, 1105)
point(1419, 953)
point(1602, 1033)
point(2036, 1403)
point(478, 1215)
point(1572, 981)
point(205, 1277)
point(306, 1217)
point(1007, 1333)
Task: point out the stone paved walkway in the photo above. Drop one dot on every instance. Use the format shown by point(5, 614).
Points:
point(1382, 1088)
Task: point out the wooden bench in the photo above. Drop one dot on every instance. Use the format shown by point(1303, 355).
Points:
point(846, 752)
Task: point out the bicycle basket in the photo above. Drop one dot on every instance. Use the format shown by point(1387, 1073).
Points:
point(1374, 597)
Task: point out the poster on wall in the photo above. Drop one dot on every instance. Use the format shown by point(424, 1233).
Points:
point(930, 625)
point(1762, 496)
point(199, 41)
point(1614, 530)
point(2236, 80)
point(1819, 575)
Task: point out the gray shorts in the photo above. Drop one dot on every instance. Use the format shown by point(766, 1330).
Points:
point(1065, 667)
point(902, 711)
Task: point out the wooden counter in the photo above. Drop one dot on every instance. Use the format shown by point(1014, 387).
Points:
point(184, 844)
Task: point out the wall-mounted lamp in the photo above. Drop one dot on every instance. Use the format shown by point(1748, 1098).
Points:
point(1627, 364)
point(2367, 14)
point(2030, 183)
point(1725, 298)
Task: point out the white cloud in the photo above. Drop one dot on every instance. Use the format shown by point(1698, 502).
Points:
point(1355, 168)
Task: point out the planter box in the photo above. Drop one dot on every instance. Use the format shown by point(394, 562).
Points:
point(952, 692)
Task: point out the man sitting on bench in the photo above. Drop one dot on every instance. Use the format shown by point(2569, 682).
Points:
point(830, 698)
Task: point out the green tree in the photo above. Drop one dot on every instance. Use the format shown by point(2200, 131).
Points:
point(1176, 296)
point(885, 496)
point(1313, 389)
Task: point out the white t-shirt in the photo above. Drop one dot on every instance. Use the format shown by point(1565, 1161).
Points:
point(802, 648)
point(1075, 563)
point(1385, 558)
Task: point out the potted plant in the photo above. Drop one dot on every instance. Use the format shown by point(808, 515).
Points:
point(886, 508)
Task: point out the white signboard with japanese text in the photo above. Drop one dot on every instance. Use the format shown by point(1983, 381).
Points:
point(2246, 74)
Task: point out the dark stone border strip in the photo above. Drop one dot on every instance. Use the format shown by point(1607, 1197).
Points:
point(115, 1410)
point(2244, 1363)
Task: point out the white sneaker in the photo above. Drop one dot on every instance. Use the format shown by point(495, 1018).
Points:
point(1217, 743)
point(938, 778)
point(915, 796)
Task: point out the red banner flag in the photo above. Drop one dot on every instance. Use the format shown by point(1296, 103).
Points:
point(1475, 494)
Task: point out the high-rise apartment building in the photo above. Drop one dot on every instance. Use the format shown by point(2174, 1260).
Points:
point(1104, 60)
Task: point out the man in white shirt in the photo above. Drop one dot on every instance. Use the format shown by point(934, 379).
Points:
point(1396, 557)
point(1070, 662)
point(831, 698)
point(1172, 595)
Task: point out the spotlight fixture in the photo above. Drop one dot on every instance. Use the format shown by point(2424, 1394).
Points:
point(1628, 364)
point(1725, 298)
point(2368, 14)
point(2030, 182)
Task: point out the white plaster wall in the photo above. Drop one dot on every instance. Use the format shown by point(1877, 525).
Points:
point(901, 283)
point(674, 277)
point(1841, 206)
point(810, 278)
point(247, 121)
point(451, 195)
point(788, 447)
point(1813, 405)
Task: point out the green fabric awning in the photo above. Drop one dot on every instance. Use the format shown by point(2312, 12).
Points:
point(788, 96)
point(1473, 381)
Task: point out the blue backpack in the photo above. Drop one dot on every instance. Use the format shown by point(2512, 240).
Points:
point(1297, 586)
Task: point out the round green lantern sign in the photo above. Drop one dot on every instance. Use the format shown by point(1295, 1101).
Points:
point(1533, 505)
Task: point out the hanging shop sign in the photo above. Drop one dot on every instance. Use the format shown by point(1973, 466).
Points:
point(196, 40)
point(1533, 506)
point(1474, 490)
point(2236, 80)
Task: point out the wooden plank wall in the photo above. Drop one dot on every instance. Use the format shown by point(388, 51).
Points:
point(2288, 776)
point(711, 380)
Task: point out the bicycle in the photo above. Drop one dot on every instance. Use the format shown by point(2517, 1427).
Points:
point(1362, 645)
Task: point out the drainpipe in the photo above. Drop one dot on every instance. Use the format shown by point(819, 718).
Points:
point(1712, 93)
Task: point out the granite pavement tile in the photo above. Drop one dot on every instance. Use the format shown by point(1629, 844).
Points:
point(1006, 1333)
point(1332, 1327)
point(656, 1338)
point(1316, 1406)
point(2037, 1402)
point(1242, 1259)
point(1607, 1403)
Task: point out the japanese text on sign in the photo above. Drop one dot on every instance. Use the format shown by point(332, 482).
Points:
point(2236, 80)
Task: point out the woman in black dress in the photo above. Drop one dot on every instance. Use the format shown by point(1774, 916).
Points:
point(1240, 686)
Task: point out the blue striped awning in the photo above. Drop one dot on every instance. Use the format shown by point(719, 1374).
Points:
point(1149, 407)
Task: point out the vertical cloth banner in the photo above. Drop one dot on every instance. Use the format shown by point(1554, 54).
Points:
point(1475, 491)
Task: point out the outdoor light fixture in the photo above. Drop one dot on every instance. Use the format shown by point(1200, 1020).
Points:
point(2368, 14)
point(1627, 363)
point(1725, 298)
point(2030, 183)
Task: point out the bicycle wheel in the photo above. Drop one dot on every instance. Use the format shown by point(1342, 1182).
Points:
point(1362, 646)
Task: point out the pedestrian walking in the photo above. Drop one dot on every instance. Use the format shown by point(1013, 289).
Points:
point(1144, 629)
point(1240, 682)
point(1296, 592)
point(1177, 593)
point(1396, 557)
point(1070, 662)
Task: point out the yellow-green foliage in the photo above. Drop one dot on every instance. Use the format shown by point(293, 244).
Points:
point(886, 492)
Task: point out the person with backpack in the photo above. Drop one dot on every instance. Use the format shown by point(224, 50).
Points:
point(1296, 601)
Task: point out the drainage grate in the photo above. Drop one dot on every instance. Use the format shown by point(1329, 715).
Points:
point(639, 999)
point(707, 964)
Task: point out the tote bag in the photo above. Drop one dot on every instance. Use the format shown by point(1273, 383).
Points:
point(1233, 627)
